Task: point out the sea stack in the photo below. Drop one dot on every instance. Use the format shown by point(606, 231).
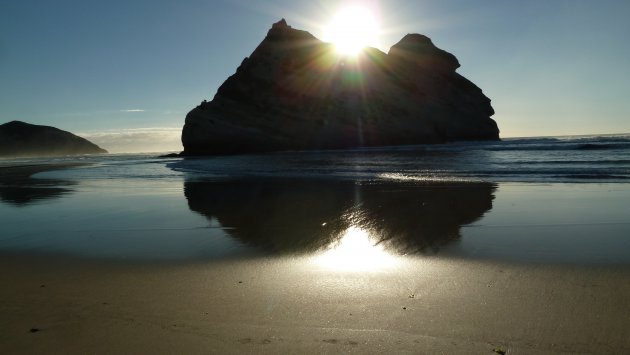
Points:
point(23, 139)
point(295, 92)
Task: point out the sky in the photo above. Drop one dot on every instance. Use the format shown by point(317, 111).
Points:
point(125, 73)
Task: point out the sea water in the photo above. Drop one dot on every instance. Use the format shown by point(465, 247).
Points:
point(548, 159)
point(547, 199)
point(562, 159)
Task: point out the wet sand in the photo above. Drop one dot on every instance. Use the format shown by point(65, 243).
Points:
point(290, 305)
point(17, 187)
point(21, 173)
point(172, 266)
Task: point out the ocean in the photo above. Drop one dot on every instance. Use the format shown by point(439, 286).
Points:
point(562, 159)
point(549, 200)
point(547, 159)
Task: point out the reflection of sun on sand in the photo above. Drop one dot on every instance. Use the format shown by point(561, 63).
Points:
point(354, 251)
point(352, 29)
point(430, 306)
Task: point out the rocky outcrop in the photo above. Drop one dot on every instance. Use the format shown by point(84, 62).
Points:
point(24, 139)
point(295, 92)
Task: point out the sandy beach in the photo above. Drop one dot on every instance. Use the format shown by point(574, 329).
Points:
point(66, 305)
point(178, 265)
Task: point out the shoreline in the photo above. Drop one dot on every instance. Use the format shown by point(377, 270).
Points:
point(18, 187)
point(22, 173)
point(138, 265)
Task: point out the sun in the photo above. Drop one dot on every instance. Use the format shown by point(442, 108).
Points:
point(352, 29)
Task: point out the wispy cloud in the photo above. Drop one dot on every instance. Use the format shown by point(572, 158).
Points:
point(133, 110)
point(137, 140)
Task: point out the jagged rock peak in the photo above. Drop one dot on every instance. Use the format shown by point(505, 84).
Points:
point(281, 31)
point(281, 24)
point(295, 92)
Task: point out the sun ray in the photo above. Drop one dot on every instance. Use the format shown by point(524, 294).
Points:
point(351, 29)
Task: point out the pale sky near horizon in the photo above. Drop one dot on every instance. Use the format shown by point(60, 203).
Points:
point(131, 70)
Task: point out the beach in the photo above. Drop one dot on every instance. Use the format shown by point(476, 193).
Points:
point(138, 255)
point(61, 305)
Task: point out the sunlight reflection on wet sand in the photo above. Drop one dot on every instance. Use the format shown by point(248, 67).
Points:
point(355, 251)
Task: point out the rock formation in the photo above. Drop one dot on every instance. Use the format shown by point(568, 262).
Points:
point(24, 139)
point(295, 92)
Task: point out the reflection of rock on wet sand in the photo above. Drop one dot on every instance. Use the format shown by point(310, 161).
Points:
point(287, 216)
point(18, 188)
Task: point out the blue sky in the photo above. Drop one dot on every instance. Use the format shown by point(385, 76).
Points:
point(105, 68)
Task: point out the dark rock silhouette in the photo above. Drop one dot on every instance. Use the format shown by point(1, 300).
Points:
point(296, 92)
point(24, 139)
point(293, 216)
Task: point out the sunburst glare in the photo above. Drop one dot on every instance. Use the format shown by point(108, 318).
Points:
point(355, 252)
point(352, 29)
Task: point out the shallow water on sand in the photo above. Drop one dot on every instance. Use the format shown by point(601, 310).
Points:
point(146, 209)
point(413, 249)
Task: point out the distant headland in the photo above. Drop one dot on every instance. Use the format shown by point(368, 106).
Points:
point(295, 92)
point(24, 139)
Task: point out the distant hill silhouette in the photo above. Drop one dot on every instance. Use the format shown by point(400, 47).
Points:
point(23, 139)
point(295, 92)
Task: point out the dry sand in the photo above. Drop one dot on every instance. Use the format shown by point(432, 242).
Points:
point(433, 306)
